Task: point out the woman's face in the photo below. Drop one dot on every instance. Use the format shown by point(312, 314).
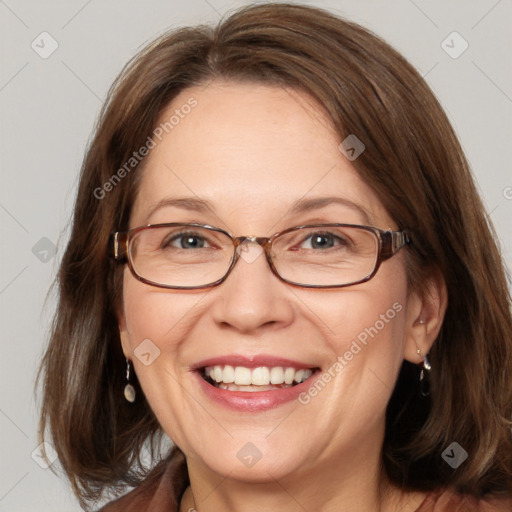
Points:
point(252, 151)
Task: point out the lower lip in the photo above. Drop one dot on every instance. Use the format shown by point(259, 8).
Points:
point(254, 401)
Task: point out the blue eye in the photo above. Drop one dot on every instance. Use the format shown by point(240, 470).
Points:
point(324, 241)
point(185, 241)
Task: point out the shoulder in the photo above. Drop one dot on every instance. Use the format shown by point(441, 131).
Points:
point(448, 500)
point(160, 491)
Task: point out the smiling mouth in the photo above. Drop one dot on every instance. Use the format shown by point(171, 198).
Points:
point(261, 378)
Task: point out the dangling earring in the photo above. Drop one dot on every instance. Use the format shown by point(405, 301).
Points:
point(424, 384)
point(129, 390)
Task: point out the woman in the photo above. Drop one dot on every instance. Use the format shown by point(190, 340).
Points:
point(279, 261)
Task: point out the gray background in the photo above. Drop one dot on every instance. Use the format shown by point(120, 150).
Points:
point(48, 107)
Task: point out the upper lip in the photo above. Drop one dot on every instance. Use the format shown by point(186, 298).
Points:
point(252, 362)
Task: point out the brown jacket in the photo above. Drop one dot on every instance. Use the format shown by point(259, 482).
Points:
point(163, 489)
point(160, 492)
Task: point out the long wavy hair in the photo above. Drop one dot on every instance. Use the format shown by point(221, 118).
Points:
point(414, 163)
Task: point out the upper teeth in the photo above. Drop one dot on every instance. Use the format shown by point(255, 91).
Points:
point(260, 376)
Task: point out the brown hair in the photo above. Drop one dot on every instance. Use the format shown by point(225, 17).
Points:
point(414, 163)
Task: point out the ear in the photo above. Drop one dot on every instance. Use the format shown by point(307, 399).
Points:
point(425, 315)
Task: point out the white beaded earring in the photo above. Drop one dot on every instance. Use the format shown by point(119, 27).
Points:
point(129, 390)
point(424, 385)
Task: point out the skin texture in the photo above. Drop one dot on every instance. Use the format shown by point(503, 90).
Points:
point(253, 150)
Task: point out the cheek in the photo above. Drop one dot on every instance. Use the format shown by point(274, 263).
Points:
point(154, 314)
point(364, 332)
point(364, 337)
point(371, 316)
point(156, 321)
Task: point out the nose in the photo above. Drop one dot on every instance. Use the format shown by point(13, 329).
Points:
point(252, 297)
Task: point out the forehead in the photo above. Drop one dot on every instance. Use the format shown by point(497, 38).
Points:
point(252, 151)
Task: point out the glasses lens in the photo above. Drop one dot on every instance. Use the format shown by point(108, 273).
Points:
point(180, 255)
point(326, 255)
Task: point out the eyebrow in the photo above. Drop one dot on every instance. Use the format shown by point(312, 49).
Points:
point(186, 203)
point(300, 206)
point(189, 203)
point(305, 205)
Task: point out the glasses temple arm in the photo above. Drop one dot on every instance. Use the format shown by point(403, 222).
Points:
point(117, 246)
point(392, 241)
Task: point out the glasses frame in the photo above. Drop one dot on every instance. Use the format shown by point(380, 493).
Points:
point(389, 243)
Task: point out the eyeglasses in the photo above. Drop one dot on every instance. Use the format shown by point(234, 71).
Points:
point(189, 256)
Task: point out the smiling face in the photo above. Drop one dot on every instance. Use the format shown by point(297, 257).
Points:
point(252, 152)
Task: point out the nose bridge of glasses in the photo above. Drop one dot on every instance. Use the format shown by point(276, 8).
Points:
point(249, 248)
point(262, 241)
